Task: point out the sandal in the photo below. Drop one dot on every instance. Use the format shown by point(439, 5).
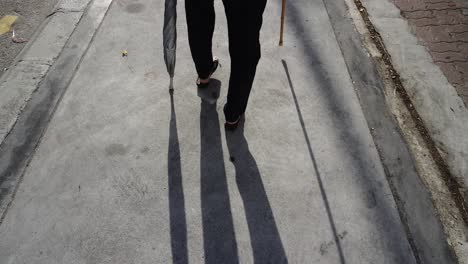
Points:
point(231, 126)
point(213, 69)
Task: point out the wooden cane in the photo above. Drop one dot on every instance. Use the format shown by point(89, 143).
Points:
point(283, 11)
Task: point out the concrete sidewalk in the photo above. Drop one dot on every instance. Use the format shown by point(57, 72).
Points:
point(127, 173)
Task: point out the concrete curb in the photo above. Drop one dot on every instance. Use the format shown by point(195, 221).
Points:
point(431, 174)
point(435, 99)
point(413, 199)
point(24, 76)
point(19, 145)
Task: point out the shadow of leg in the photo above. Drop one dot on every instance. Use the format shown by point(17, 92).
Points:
point(218, 228)
point(211, 93)
point(265, 239)
point(176, 194)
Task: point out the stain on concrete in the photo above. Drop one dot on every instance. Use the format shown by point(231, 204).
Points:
point(343, 234)
point(145, 150)
point(324, 247)
point(371, 200)
point(150, 76)
point(135, 8)
point(327, 244)
point(116, 150)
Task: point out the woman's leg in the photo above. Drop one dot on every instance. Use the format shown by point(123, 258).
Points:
point(244, 24)
point(200, 23)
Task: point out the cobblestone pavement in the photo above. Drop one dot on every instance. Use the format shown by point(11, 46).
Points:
point(442, 26)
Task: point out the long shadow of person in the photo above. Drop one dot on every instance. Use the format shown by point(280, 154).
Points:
point(218, 229)
point(264, 236)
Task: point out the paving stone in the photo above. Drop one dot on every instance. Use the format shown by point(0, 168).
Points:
point(419, 14)
point(433, 34)
point(462, 47)
point(453, 76)
point(460, 36)
point(462, 67)
point(444, 46)
point(442, 26)
point(437, 18)
point(448, 56)
point(443, 5)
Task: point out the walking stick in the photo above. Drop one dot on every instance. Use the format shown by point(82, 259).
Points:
point(283, 11)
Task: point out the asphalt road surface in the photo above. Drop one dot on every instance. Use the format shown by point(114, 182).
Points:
point(31, 13)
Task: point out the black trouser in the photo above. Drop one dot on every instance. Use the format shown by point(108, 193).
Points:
point(244, 19)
